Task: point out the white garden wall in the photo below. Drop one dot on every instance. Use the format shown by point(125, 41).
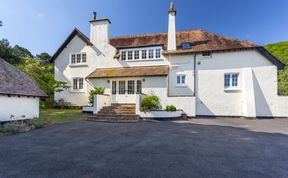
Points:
point(18, 108)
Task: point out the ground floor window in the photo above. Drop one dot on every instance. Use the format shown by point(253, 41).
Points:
point(121, 87)
point(181, 79)
point(131, 86)
point(114, 87)
point(139, 86)
point(231, 80)
point(77, 83)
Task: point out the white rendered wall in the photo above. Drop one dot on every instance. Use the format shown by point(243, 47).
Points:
point(18, 107)
point(181, 65)
point(98, 56)
point(257, 95)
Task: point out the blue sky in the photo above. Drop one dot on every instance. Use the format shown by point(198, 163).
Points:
point(42, 25)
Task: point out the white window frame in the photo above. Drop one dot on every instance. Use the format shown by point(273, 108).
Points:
point(140, 50)
point(78, 84)
point(181, 84)
point(207, 56)
point(231, 87)
point(81, 59)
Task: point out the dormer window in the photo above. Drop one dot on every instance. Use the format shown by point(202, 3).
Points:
point(186, 46)
point(78, 58)
point(138, 54)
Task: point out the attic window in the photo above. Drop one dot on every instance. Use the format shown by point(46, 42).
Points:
point(186, 46)
point(206, 54)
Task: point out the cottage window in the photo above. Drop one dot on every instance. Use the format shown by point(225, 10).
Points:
point(121, 87)
point(131, 86)
point(139, 86)
point(73, 59)
point(136, 55)
point(78, 83)
point(114, 86)
point(231, 80)
point(84, 57)
point(130, 55)
point(158, 53)
point(151, 54)
point(141, 53)
point(123, 55)
point(206, 54)
point(78, 58)
point(181, 79)
point(144, 54)
point(186, 46)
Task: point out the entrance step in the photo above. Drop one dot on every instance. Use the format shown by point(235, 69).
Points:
point(116, 112)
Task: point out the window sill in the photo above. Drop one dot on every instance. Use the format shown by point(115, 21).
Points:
point(77, 91)
point(78, 65)
point(143, 60)
point(181, 86)
point(232, 89)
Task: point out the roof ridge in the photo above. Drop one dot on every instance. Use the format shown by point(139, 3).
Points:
point(151, 34)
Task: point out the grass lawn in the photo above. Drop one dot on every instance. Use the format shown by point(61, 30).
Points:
point(55, 116)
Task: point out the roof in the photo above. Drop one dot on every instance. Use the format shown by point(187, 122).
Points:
point(15, 82)
point(130, 72)
point(200, 40)
point(67, 41)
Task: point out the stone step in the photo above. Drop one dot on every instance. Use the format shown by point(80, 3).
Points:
point(114, 117)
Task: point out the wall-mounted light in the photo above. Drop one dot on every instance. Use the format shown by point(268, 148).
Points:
point(143, 80)
point(108, 81)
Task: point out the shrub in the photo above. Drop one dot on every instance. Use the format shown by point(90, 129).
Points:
point(38, 123)
point(61, 103)
point(95, 90)
point(150, 103)
point(170, 108)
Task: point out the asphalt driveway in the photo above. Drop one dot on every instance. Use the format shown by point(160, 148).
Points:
point(145, 149)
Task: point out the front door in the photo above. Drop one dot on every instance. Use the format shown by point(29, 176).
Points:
point(124, 91)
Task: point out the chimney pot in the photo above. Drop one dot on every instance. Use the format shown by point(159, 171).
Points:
point(94, 15)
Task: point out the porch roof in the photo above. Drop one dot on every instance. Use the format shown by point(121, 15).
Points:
point(130, 72)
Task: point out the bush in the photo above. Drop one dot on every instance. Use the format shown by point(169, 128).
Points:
point(62, 104)
point(170, 108)
point(38, 123)
point(95, 90)
point(150, 103)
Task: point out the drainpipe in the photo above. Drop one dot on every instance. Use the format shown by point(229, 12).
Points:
point(195, 75)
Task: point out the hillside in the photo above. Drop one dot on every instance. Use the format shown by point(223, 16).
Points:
point(280, 50)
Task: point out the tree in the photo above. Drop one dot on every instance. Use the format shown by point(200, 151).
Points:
point(43, 74)
point(45, 57)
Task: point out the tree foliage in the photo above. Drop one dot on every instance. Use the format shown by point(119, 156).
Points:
point(280, 50)
point(40, 70)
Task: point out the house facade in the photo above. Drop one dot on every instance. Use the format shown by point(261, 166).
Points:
point(201, 73)
point(19, 94)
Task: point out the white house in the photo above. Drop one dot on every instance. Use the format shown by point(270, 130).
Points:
point(201, 73)
point(19, 94)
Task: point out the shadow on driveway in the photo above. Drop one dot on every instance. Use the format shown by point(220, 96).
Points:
point(144, 149)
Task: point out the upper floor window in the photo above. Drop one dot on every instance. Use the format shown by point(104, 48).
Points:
point(206, 54)
point(141, 53)
point(144, 54)
point(77, 83)
point(231, 80)
point(157, 53)
point(181, 79)
point(78, 58)
point(186, 46)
